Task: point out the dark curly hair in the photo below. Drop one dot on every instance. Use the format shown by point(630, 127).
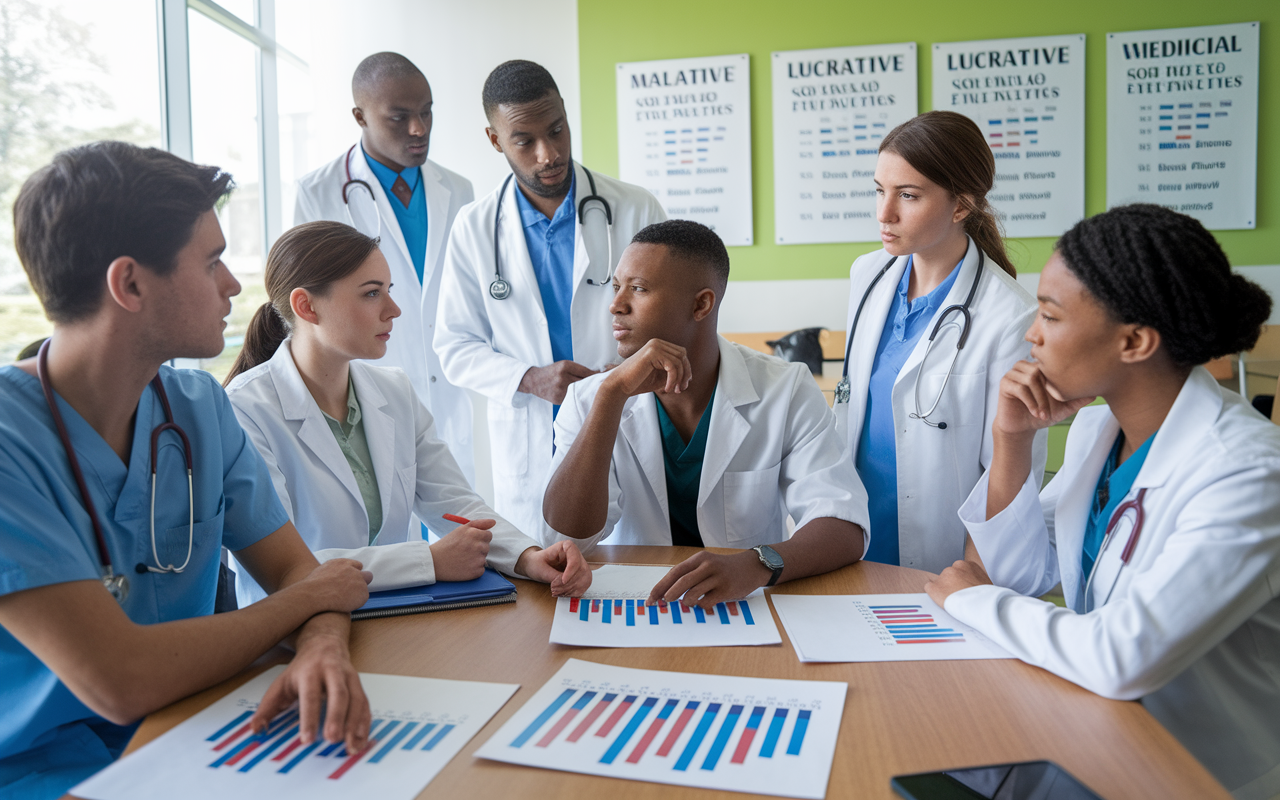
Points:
point(1152, 266)
point(514, 83)
point(692, 241)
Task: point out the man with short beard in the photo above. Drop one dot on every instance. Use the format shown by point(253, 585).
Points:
point(524, 303)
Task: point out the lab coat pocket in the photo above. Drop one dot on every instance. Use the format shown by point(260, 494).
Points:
point(961, 403)
point(752, 508)
point(173, 593)
point(509, 431)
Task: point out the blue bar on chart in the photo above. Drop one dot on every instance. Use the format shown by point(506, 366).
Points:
point(603, 611)
point(419, 736)
point(395, 740)
point(565, 719)
point(913, 625)
point(775, 728)
point(797, 734)
point(722, 738)
point(649, 735)
point(542, 718)
point(632, 726)
point(435, 740)
point(699, 733)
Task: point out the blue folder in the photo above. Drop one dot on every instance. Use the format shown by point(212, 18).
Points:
point(487, 590)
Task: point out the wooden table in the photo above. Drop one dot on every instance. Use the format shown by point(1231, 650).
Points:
point(898, 717)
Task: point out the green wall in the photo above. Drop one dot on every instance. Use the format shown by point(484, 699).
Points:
point(610, 32)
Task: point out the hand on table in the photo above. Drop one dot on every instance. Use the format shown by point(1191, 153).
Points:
point(561, 565)
point(960, 575)
point(460, 554)
point(705, 579)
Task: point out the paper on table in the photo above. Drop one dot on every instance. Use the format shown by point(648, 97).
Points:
point(613, 614)
point(419, 725)
point(757, 735)
point(878, 627)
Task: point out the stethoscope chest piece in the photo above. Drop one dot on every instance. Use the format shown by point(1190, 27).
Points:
point(500, 289)
point(117, 585)
point(842, 390)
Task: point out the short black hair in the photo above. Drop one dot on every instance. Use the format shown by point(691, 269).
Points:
point(1149, 265)
point(380, 67)
point(514, 83)
point(99, 202)
point(692, 241)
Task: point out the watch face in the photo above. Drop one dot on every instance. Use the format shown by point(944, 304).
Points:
point(770, 557)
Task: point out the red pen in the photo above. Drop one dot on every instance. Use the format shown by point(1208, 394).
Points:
point(457, 519)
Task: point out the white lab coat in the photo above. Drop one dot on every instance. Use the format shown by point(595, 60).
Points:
point(487, 345)
point(320, 197)
point(937, 468)
point(772, 450)
point(1193, 624)
point(415, 472)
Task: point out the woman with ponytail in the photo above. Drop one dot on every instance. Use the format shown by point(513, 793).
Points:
point(1164, 523)
point(923, 374)
point(352, 451)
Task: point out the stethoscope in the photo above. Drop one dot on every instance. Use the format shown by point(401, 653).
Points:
point(370, 221)
point(842, 388)
point(118, 585)
point(500, 289)
point(1134, 505)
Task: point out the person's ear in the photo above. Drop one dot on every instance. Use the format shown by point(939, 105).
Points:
point(964, 205)
point(492, 134)
point(704, 302)
point(1139, 343)
point(124, 276)
point(358, 113)
point(300, 302)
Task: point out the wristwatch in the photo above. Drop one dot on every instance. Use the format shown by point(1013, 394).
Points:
point(771, 560)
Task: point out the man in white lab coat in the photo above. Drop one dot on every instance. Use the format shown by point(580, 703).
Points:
point(693, 440)
point(524, 301)
point(385, 186)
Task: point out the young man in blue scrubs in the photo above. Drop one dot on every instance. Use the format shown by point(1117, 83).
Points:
point(123, 247)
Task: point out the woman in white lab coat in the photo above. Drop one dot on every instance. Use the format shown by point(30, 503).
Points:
point(935, 320)
point(351, 448)
point(1164, 523)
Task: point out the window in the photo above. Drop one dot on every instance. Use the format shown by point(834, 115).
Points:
point(71, 72)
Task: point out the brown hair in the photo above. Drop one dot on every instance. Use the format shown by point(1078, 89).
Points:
point(98, 202)
point(949, 149)
point(310, 256)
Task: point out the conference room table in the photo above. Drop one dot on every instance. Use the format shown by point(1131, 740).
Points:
point(899, 717)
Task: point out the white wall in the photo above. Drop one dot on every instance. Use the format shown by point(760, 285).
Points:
point(456, 44)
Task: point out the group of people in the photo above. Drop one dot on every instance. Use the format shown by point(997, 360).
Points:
point(616, 412)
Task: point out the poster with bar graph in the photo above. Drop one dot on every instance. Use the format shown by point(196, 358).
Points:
point(614, 613)
point(419, 724)
point(756, 735)
point(1182, 121)
point(1027, 98)
point(831, 109)
point(878, 627)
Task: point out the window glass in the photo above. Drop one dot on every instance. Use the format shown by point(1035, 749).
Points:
point(77, 71)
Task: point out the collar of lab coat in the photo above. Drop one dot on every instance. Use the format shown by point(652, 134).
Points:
point(298, 405)
point(437, 206)
point(727, 431)
point(1194, 412)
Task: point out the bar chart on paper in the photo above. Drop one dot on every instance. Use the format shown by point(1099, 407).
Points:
point(418, 725)
point(614, 613)
point(754, 735)
point(878, 627)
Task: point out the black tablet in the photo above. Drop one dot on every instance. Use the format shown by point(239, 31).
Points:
point(1030, 780)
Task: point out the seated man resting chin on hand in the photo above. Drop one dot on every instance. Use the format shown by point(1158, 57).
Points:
point(696, 441)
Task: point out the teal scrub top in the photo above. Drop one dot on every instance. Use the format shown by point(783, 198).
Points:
point(683, 462)
point(49, 740)
point(1114, 484)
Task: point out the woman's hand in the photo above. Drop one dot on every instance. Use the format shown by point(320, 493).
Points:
point(960, 575)
point(1028, 402)
point(561, 565)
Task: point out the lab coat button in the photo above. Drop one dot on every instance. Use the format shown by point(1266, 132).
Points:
point(433, 378)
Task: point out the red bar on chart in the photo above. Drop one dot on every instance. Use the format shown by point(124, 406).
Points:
point(591, 717)
point(733, 608)
point(654, 727)
point(748, 734)
point(573, 605)
point(351, 761)
point(616, 715)
point(565, 719)
point(678, 728)
point(595, 606)
point(242, 731)
point(292, 746)
point(249, 748)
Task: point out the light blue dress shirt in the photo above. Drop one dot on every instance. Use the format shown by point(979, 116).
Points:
point(412, 220)
point(49, 740)
point(877, 459)
point(550, 244)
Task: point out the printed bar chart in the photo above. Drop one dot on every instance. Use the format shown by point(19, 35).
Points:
point(875, 628)
point(616, 613)
point(419, 724)
point(705, 728)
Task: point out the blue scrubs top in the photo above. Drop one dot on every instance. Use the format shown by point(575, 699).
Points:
point(877, 459)
point(49, 740)
point(683, 462)
point(550, 244)
point(412, 220)
point(1113, 484)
